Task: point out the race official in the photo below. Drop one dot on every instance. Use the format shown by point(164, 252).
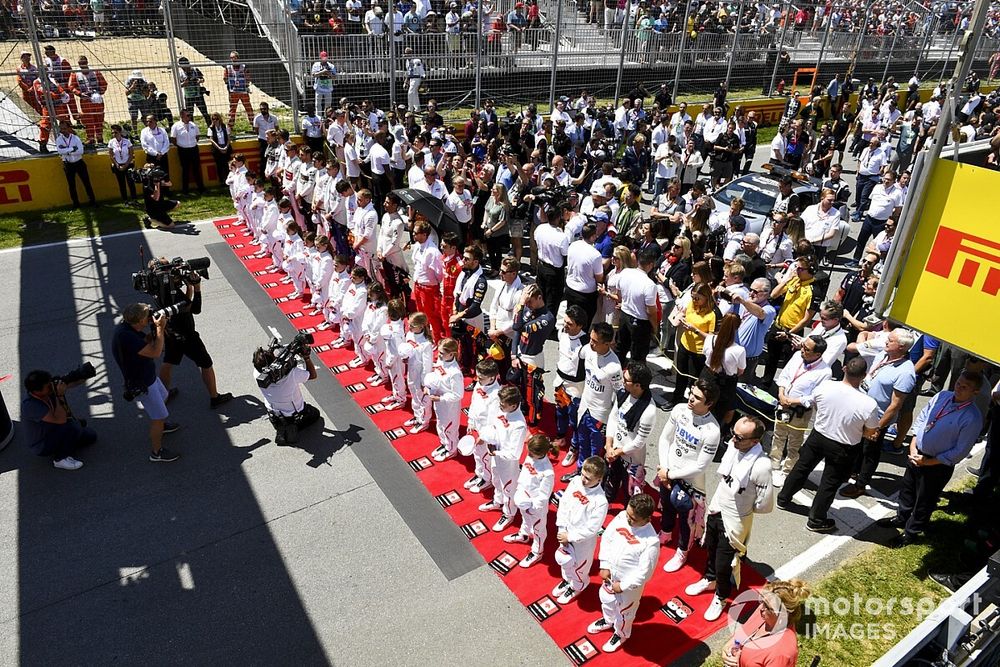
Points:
point(639, 318)
point(552, 244)
point(70, 150)
point(844, 416)
point(184, 135)
point(946, 429)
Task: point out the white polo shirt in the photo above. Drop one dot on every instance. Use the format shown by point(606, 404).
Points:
point(185, 134)
point(553, 244)
point(583, 264)
point(842, 412)
point(638, 292)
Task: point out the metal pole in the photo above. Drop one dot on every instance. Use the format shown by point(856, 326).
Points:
point(621, 56)
point(680, 50)
point(912, 207)
point(43, 73)
point(292, 44)
point(555, 56)
point(479, 54)
point(391, 33)
point(951, 48)
point(928, 40)
point(822, 46)
point(777, 56)
point(861, 36)
point(172, 48)
point(892, 48)
point(736, 41)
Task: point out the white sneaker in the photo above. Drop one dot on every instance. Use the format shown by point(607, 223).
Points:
point(715, 609)
point(568, 595)
point(489, 507)
point(323, 326)
point(413, 421)
point(516, 538)
point(68, 463)
point(699, 587)
point(444, 455)
point(419, 428)
point(502, 523)
point(600, 625)
point(677, 562)
point(778, 478)
point(561, 588)
point(612, 644)
point(470, 482)
point(569, 459)
point(530, 559)
point(480, 486)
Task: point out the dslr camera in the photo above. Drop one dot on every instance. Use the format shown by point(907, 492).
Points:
point(84, 371)
point(285, 359)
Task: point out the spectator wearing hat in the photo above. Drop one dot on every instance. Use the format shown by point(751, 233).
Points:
point(193, 88)
point(517, 23)
point(323, 73)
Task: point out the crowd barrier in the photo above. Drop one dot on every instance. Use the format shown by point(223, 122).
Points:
point(37, 183)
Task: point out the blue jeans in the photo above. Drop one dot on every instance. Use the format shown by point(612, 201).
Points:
point(589, 439)
point(870, 227)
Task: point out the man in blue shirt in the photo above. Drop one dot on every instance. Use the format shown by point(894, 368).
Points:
point(49, 426)
point(946, 429)
point(922, 354)
point(890, 379)
point(756, 316)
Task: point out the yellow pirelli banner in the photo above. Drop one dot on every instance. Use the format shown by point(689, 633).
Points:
point(950, 278)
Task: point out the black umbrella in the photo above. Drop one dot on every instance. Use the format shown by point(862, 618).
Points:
point(431, 208)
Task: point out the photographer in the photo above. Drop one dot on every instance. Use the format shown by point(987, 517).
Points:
point(286, 408)
point(192, 86)
point(182, 340)
point(50, 427)
point(156, 196)
point(134, 351)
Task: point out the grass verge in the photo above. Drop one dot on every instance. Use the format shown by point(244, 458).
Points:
point(34, 227)
point(860, 636)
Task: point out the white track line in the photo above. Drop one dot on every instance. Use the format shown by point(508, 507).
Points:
point(91, 239)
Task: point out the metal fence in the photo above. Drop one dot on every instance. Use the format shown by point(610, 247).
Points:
point(488, 53)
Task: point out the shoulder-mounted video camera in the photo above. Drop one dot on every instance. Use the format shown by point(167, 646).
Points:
point(163, 279)
point(284, 359)
point(147, 176)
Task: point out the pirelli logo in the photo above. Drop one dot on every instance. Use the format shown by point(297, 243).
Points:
point(977, 259)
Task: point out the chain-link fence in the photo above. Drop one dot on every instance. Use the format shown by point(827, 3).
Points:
point(511, 52)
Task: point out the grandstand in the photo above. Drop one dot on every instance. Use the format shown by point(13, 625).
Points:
point(559, 54)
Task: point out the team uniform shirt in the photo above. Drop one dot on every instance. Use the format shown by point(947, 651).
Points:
point(632, 442)
point(689, 442)
point(581, 513)
point(534, 485)
point(532, 329)
point(583, 264)
point(306, 186)
point(263, 123)
point(427, 266)
point(363, 225)
point(603, 381)
point(504, 304)
point(154, 142)
point(468, 294)
point(836, 342)
point(70, 148)
point(629, 553)
point(484, 406)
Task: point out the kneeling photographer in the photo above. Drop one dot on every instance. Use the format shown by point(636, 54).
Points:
point(50, 427)
point(176, 286)
point(155, 195)
point(279, 375)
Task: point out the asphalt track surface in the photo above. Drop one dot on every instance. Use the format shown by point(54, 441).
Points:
point(330, 552)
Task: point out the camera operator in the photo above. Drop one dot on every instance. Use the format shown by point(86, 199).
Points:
point(286, 408)
point(183, 340)
point(51, 428)
point(156, 197)
point(134, 351)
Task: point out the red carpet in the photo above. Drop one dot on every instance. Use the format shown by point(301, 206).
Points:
point(657, 638)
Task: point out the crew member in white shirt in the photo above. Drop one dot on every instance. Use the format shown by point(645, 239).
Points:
point(796, 382)
point(184, 134)
point(552, 244)
point(155, 143)
point(122, 159)
point(584, 272)
point(364, 227)
point(885, 200)
point(70, 150)
point(844, 415)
